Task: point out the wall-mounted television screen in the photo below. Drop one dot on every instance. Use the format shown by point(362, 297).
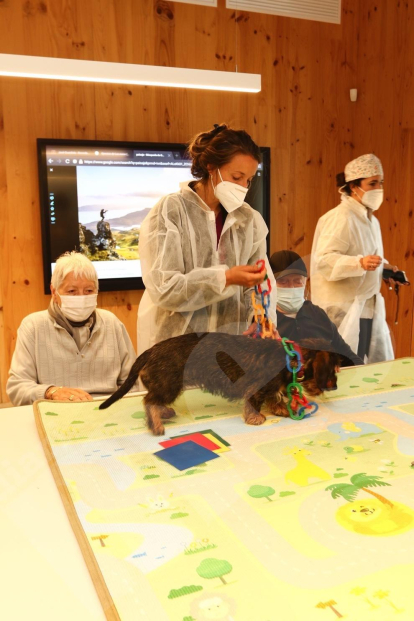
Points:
point(94, 196)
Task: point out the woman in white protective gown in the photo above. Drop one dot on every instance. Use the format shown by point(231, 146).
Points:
point(348, 261)
point(199, 246)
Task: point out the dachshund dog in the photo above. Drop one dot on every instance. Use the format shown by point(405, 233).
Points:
point(234, 367)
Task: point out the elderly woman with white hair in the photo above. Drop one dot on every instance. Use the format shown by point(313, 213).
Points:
point(71, 350)
point(348, 261)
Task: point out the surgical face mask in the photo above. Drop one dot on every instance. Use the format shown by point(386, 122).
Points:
point(372, 198)
point(78, 307)
point(231, 195)
point(290, 299)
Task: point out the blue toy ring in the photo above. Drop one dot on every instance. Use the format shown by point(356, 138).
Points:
point(311, 403)
point(289, 367)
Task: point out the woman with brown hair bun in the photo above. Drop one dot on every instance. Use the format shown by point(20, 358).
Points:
point(199, 246)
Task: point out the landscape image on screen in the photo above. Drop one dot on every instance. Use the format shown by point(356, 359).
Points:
point(112, 204)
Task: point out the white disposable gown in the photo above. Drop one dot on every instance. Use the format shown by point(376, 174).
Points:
point(339, 283)
point(184, 271)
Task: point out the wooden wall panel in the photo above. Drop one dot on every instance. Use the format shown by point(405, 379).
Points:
point(385, 55)
point(3, 220)
point(303, 113)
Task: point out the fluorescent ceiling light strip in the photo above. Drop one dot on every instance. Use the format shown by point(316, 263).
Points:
point(12, 65)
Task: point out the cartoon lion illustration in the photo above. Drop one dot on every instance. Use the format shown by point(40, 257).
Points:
point(209, 607)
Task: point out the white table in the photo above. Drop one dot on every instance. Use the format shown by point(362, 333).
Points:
point(42, 572)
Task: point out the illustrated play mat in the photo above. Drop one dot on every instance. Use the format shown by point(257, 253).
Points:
point(291, 521)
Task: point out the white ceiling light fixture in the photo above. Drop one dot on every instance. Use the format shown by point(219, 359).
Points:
point(12, 65)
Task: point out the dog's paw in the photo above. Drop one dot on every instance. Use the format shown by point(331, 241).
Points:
point(167, 413)
point(158, 430)
point(277, 407)
point(255, 419)
point(280, 410)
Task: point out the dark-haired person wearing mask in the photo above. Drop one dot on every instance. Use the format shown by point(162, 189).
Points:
point(348, 261)
point(199, 246)
point(298, 318)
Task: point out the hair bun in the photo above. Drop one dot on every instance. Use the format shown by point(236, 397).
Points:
point(218, 128)
point(217, 147)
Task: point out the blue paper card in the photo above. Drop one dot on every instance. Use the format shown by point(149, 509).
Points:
point(186, 455)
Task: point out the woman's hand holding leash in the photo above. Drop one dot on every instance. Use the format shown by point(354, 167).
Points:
point(245, 276)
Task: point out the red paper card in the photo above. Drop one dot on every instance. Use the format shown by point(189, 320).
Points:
point(195, 437)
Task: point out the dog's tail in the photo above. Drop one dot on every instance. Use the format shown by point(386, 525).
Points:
point(136, 368)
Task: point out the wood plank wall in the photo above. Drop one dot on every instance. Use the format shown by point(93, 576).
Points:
point(303, 113)
point(384, 123)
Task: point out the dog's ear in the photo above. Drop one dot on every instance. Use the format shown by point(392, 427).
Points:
point(336, 362)
point(322, 370)
point(344, 361)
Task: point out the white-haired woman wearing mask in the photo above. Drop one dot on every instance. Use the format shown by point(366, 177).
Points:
point(199, 246)
point(72, 350)
point(348, 261)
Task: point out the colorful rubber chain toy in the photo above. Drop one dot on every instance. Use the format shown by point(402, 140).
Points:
point(264, 330)
point(264, 324)
point(295, 394)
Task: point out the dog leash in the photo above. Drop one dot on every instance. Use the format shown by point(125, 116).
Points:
point(294, 390)
point(264, 330)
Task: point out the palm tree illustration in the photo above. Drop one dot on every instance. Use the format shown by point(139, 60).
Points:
point(330, 605)
point(359, 482)
point(361, 591)
point(384, 595)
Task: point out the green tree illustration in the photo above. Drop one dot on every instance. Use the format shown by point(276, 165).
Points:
point(330, 605)
point(359, 482)
point(261, 491)
point(214, 568)
point(361, 591)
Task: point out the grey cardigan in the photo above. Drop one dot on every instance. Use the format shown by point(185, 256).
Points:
point(46, 354)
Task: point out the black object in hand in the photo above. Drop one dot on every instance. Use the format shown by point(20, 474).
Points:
point(399, 276)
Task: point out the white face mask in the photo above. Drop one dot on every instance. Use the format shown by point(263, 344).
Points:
point(372, 198)
point(78, 307)
point(231, 195)
point(290, 299)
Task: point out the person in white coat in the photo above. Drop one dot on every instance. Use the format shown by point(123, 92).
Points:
point(199, 246)
point(348, 261)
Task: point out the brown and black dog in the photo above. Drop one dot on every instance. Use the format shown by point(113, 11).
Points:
point(235, 367)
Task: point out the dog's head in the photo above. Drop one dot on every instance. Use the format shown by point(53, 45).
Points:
point(320, 366)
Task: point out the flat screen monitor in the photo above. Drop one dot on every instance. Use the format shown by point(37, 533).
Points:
point(94, 196)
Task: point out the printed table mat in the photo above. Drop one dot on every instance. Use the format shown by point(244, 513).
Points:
point(310, 519)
